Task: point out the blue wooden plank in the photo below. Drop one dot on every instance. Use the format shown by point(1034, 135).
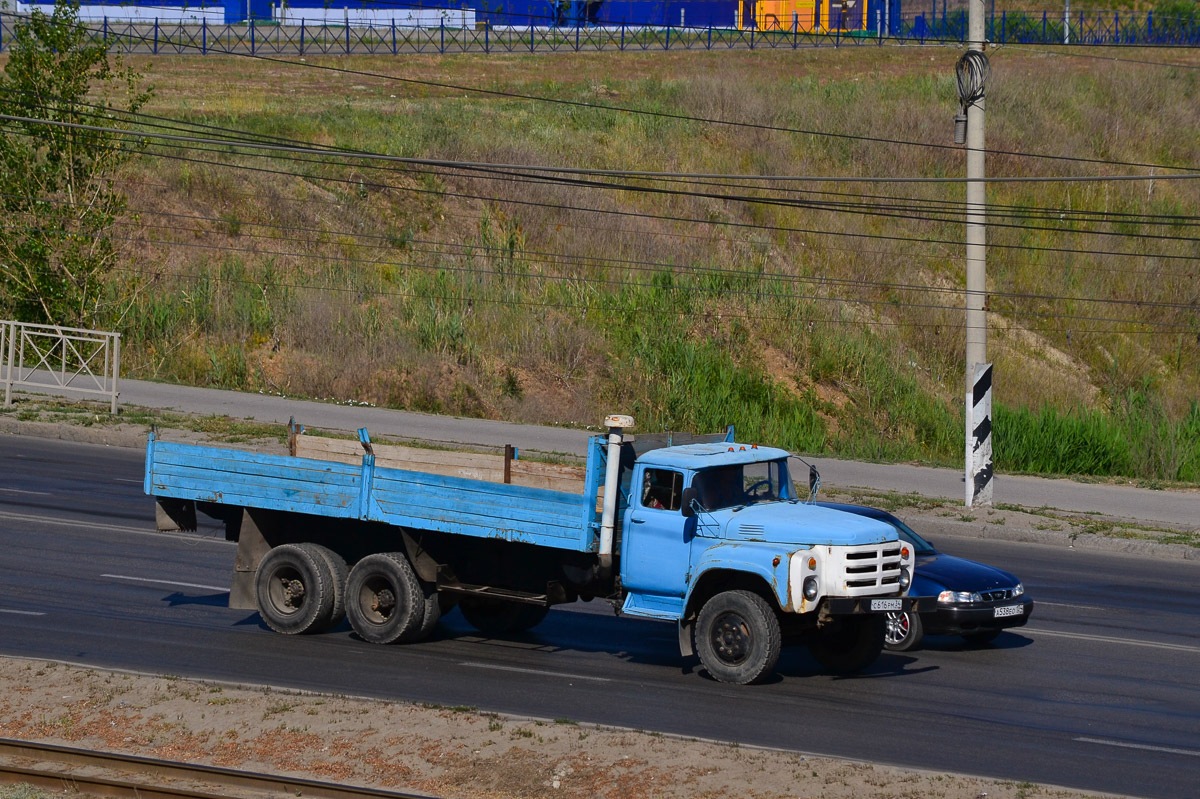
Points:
point(490, 531)
point(206, 494)
point(168, 473)
point(485, 505)
point(233, 461)
point(493, 496)
point(480, 526)
point(559, 526)
point(271, 494)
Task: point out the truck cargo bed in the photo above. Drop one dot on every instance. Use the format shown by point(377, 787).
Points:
point(415, 500)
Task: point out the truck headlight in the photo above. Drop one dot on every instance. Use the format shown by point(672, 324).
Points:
point(810, 588)
point(905, 578)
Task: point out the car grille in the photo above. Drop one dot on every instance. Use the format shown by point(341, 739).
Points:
point(997, 595)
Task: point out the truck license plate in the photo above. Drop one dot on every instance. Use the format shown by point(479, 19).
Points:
point(1008, 610)
point(888, 604)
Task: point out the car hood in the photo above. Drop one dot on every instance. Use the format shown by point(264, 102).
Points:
point(797, 523)
point(938, 572)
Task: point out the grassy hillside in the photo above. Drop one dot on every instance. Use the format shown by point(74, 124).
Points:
point(440, 291)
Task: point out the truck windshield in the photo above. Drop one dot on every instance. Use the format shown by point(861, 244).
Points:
point(741, 484)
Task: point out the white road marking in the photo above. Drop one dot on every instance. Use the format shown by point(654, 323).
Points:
point(1065, 605)
point(23, 491)
point(1109, 640)
point(1146, 747)
point(561, 674)
point(89, 525)
point(22, 612)
point(166, 582)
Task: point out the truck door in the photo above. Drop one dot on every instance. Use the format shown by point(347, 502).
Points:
point(656, 539)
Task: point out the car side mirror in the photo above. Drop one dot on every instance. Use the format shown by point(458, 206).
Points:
point(689, 496)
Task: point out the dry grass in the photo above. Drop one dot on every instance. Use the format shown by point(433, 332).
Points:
point(370, 294)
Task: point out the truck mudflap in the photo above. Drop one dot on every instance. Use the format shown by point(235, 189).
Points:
point(848, 606)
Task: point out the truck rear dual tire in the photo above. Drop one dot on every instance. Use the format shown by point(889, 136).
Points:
point(849, 644)
point(298, 589)
point(737, 637)
point(385, 601)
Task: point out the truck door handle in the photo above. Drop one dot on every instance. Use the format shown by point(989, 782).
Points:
point(636, 520)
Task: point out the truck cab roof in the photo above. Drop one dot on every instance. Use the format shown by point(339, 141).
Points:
point(702, 456)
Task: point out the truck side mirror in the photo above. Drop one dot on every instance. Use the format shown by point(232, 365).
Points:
point(813, 477)
point(689, 496)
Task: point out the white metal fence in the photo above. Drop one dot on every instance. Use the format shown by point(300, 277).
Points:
point(59, 359)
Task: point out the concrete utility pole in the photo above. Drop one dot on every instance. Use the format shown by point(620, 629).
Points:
point(972, 76)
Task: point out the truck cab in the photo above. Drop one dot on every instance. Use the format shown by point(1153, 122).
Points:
point(723, 523)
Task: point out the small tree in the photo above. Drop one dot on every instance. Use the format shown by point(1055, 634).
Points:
point(56, 182)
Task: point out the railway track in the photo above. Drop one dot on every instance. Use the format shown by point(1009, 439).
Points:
point(91, 772)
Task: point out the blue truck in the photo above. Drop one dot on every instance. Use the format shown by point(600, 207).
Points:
point(701, 531)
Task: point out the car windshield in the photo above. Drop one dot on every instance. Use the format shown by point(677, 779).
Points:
point(920, 545)
point(741, 484)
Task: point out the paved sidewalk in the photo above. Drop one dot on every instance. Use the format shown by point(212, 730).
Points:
point(1173, 507)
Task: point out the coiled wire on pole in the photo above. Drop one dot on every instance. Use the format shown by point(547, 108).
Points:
point(973, 71)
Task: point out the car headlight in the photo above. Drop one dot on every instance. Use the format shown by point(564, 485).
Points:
point(952, 597)
point(810, 588)
point(1020, 589)
point(905, 578)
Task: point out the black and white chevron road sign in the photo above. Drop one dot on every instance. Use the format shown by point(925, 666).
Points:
point(979, 437)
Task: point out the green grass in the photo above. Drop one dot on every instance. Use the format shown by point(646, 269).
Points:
point(389, 287)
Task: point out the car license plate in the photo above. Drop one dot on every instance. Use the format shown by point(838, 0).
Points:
point(1008, 610)
point(887, 604)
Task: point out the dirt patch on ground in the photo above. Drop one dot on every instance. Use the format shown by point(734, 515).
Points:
point(443, 751)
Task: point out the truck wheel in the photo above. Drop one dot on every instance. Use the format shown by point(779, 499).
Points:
point(430, 616)
point(496, 618)
point(294, 589)
point(340, 573)
point(737, 637)
point(850, 644)
point(384, 600)
point(903, 630)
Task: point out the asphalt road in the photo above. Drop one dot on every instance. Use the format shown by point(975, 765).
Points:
point(1098, 692)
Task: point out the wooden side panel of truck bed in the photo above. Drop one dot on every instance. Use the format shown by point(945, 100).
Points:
point(402, 498)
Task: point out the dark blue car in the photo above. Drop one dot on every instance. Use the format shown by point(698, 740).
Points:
point(973, 600)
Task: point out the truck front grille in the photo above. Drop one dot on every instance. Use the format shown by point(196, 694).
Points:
point(870, 568)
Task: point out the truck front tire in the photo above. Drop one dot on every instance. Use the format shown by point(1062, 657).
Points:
point(738, 638)
point(849, 644)
point(295, 589)
point(384, 599)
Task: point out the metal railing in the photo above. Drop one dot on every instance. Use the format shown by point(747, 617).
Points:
point(60, 359)
point(175, 38)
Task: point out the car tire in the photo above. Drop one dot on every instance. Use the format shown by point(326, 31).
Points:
point(737, 637)
point(903, 631)
point(850, 644)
